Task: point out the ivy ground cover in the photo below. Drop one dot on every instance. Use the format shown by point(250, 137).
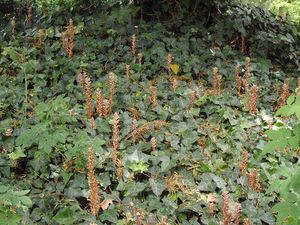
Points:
point(106, 122)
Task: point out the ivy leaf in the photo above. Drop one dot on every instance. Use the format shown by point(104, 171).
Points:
point(19, 153)
point(175, 68)
point(157, 186)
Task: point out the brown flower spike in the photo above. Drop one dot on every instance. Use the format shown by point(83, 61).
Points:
point(100, 104)
point(244, 163)
point(216, 79)
point(247, 73)
point(225, 209)
point(237, 216)
point(243, 46)
point(175, 84)
point(105, 107)
point(140, 58)
point(29, 12)
point(44, 7)
point(153, 144)
point(153, 98)
point(246, 222)
point(169, 62)
point(120, 165)
point(253, 99)
point(128, 72)
point(211, 199)
point(238, 80)
point(134, 130)
point(67, 38)
point(115, 137)
point(192, 99)
point(133, 44)
point(112, 86)
point(284, 95)
point(88, 96)
point(93, 184)
point(253, 181)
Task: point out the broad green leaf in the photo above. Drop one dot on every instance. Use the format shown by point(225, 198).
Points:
point(157, 186)
point(66, 216)
point(175, 68)
point(19, 153)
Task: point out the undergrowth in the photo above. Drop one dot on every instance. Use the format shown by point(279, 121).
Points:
point(117, 118)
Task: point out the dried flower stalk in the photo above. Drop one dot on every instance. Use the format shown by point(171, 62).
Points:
point(112, 86)
point(192, 99)
point(71, 32)
point(238, 80)
point(253, 181)
point(9, 132)
point(175, 83)
point(225, 209)
point(105, 107)
point(92, 123)
point(93, 184)
point(136, 214)
point(80, 78)
point(140, 58)
point(158, 124)
point(134, 130)
point(211, 199)
point(253, 99)
point(284, 95)
point(67, 38)
point(219, 82)
point(135, 113)
point(243, 46)
point(217, 79)
point(13, 25)
point(29, 12)
point(44, 7)
point(153, 144)
point(20, 8)
point(246, 222)
point(153, 98)
point(88, 96)
point(270, 124)
point(237, 216)
point(169, 62)
point(128, 72)
point(244, 162)
point(120, 166)
point(115, 136)
point(246, 79)
point(40, 39)
point(133, 44)
point(100, 104)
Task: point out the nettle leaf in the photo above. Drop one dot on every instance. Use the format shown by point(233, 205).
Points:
point(279, 141)
point(157, 186)
point(287, 210)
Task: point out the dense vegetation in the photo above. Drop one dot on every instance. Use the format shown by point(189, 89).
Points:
point(148, 112)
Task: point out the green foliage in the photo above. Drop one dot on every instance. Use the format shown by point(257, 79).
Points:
point(45, 134)
point(285, 180)
point(12, 205)
point(287, 9)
